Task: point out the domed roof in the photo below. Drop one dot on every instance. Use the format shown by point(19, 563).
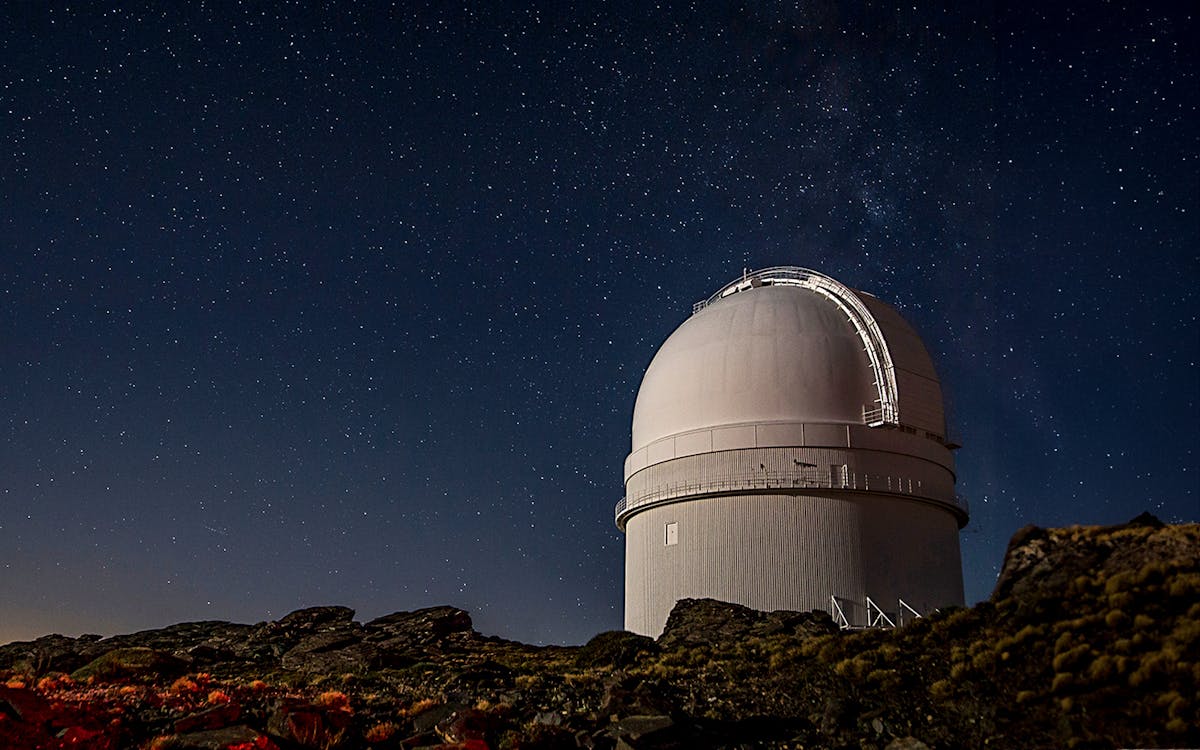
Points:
point(804, 350)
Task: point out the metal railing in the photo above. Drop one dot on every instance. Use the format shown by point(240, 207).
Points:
point(849, 303)
point(835, 478)
point(876, 618)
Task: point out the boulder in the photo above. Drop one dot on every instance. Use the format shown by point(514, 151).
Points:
point(308, 725)
point(653, 727)
point(132, 662)
point(313, 656)
point(708, 621)
point(217, 717)
point(272, 640)
point(218, 739)
point(1040, 564)
point(420, 627)
point(616, 648)
point(314, 618)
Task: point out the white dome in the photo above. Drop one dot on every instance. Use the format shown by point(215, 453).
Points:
point(771, 354)
point(786, 353)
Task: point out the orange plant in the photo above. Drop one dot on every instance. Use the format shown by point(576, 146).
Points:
point(218, 696)
point(422, 705)
point(382, 732)
point(333, 699)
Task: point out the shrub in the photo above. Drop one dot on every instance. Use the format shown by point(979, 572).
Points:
point(333, 700)
point(885, 679)
point(1186, 585)
point(382, 732)
point(1070, 658)
point(854, 668)
point(1063, 643)
point(1119, 582)
point(1102, 669)
point(942, 690)
point(984, 660)
point(1151, 574)
point(1120, 600)
point(425, 704)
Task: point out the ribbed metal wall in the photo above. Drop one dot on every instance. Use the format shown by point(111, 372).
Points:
point(771, 552)
point(763, 551)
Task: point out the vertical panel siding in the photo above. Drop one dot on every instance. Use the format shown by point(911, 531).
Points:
point(790, 552)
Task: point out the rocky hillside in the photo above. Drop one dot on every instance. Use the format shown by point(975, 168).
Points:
point(1091, 640)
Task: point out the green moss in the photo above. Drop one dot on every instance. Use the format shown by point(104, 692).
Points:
point(130, 662)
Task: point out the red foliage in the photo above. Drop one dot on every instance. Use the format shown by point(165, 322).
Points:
point(262, 743)
point(27, 720)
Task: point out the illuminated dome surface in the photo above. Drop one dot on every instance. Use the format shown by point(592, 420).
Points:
point(772, 354)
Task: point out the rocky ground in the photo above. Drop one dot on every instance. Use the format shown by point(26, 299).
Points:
point(1091, 640)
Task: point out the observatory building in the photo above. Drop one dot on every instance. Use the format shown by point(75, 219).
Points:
point(790, 452)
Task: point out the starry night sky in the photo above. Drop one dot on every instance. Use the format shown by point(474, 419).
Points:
point(350, 303)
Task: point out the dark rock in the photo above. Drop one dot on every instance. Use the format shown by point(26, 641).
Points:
point(176, 639)
point(1146, 518)
point(465, 725)
point(401, 630)
point(428, 719)
point(639, 727)
point(616, 648)
point(837, 713)
point(306, 724)
point(1040, 563)
point(694, 622)
point(208, 653)
point(312, 618)
point(213, 739)
point(624, 694)
point(216, 717)
point(484, 673)
point(271, 640)
point(339, 650)
point(354, 659)
point(906, 743)
point(132, 662)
